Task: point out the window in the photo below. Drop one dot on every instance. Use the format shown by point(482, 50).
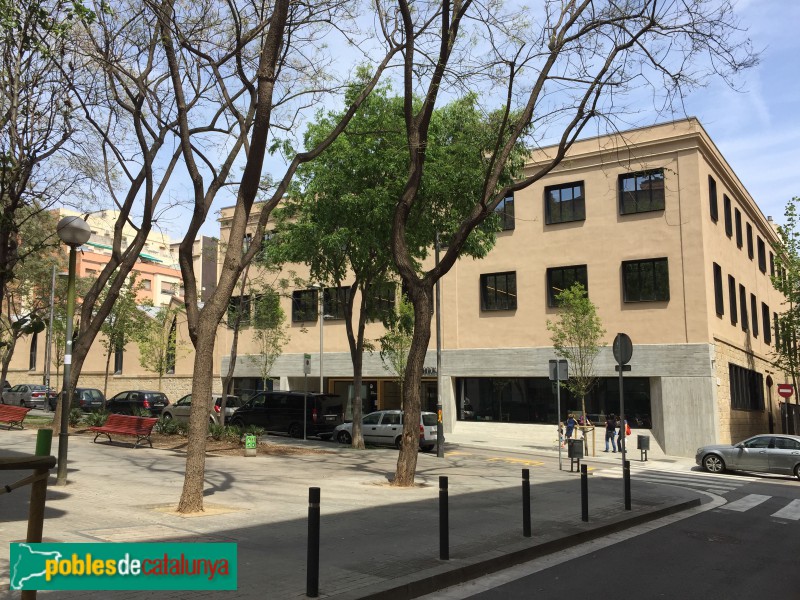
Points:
point(32, 355)
point(171, 347)
point(754, 314)
point(505, 210)
point(719, 301)
point(776, 327)
point(712, 199)
point(267, 309)
point(762, 256)
point(765, 322)
point(646, 280)
point(372, 419)
point(726, 207)
point(564, 203)
point(743, 306)
point(499, 291)
point(771, 264)
point(391, 419)
point(334, 302)
point(562, 278)
point(738, 221)
point(747, 388)
point(380, 305)
point(304, 306)
point(238, 308)
point(641, 192)
point(146, 284)
point(787, 444)
point(119, 353)
point(750, 241)
point(732, 299)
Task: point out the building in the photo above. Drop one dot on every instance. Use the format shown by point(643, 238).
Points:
point(674, 252)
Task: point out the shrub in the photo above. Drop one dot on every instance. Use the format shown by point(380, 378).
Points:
point(96, 419)
point(141, 412)
point(75, 417)
point(254, 430)
point(233, 433)
point(166, 426)
point(182, 428)
point(217, 432)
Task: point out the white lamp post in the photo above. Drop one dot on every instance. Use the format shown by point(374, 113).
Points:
point(74, 232)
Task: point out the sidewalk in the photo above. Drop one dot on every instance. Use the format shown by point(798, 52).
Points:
point(376, 541)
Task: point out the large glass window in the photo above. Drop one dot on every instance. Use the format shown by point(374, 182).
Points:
point(641, 192)
point(712, 199)
point(562, 278)
point(564, 203)
point(505, 210)
point(499, 291)
point(304, 305)
point(334, 302)
point(719, 301)
point(645, 280)
point(747, 388)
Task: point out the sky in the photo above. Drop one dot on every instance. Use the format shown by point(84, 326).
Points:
point(756, 126)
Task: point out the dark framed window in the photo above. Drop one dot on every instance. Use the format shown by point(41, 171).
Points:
point(382, 300)
point(33, 350)
point(119, 357)
point(238, 307)
point(712, 199)
point(334, 302)
point(719, 301)
point(645, 280)
point(726, 208)
point(499, 291)
point(754, 314)
point(737, 217)
point(564, 203)
point(732, 299)
point(747, 388)
point(750, 241)
point(743, 307)
point(765, 322)
point(771, 264)
point(304, 305)
point(641, 192)
point(777, 329)
point(762, 255)
point(505, 210)
point(562, 278)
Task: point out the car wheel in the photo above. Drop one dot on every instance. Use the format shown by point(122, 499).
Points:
point(237, 423)
point(344, 438)
point(797, 471)
point(713, 463)
point(295, 430)
point(398, 442)
point(167, 416)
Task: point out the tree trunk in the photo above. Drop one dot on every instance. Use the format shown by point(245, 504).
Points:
point(356, 342)
point(421, 295)
point(105, 381)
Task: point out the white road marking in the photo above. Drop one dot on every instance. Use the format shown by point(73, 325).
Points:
point(746, 503)
point(791, 511)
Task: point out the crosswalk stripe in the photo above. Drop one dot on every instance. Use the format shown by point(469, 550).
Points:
point(746, 503)
point(791, 511)
point(689, 482)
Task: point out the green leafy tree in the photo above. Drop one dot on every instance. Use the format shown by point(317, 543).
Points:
point(396, 342)
point(338, 218)
point(787, 281)
point(577, 336)
point(122, 323)
point(269, 332)
point(159, 347)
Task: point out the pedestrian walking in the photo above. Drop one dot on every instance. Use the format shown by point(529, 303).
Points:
point(621, 438)
point(611, 427)
point(571, 422)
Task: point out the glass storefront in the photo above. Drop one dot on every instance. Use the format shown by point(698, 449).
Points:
point(533, 400)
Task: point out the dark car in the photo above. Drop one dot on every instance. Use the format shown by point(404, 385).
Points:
point(137, 401)
point(87, 399)
point(282, 412)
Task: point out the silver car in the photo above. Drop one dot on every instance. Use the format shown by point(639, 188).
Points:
point(767, 453)
point(31, 395)
point(385, 428)
point(182, 408)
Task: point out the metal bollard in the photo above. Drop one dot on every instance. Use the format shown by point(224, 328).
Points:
point(444, 520)
point(312, 560)
point(584, 493)
point(526, 503)
point(626, 476)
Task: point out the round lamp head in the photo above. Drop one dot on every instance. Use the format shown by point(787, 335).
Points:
point(73, 231)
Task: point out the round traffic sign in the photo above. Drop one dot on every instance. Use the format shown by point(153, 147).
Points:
point(623, 348)
point(785, 390)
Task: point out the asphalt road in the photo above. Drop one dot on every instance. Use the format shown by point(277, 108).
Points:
point(745, 547)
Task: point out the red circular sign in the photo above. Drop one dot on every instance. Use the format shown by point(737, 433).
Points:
point(785, 390)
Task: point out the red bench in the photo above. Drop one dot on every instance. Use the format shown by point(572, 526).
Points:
point(13, 415)
point(139, 427)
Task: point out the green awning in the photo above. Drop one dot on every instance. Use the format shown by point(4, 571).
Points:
point(96, 245)
point(149, 257)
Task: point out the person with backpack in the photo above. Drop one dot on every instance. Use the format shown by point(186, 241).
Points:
point(611, 426)
point(621, 438)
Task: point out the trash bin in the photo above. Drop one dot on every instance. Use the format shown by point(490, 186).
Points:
point(575, 449)
point(643, 442)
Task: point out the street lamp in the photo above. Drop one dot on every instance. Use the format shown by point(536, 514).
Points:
point(74, 232)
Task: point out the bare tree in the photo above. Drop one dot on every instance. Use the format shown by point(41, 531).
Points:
point(573, 63)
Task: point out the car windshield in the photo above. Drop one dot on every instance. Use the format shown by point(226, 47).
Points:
point(429, 420)
point(157, 398)
point(93, 394)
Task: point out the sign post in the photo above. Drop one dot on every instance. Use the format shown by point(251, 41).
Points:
point(559, 371)
point(306, 373)
point(785, 391)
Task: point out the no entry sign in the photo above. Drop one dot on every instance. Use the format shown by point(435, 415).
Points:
point(785, 390)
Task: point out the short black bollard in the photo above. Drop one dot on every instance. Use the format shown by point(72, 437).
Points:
point(584, 493)
point(444, 520)
point(626, 476)
point(526, 502)
point(312, 560)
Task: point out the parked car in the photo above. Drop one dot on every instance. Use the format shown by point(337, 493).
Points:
point(385, 428)
point(180, 410)
point(767, 453)
point(282, 412)
point(31, 395)
point(87, 399)
point(134, 401)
